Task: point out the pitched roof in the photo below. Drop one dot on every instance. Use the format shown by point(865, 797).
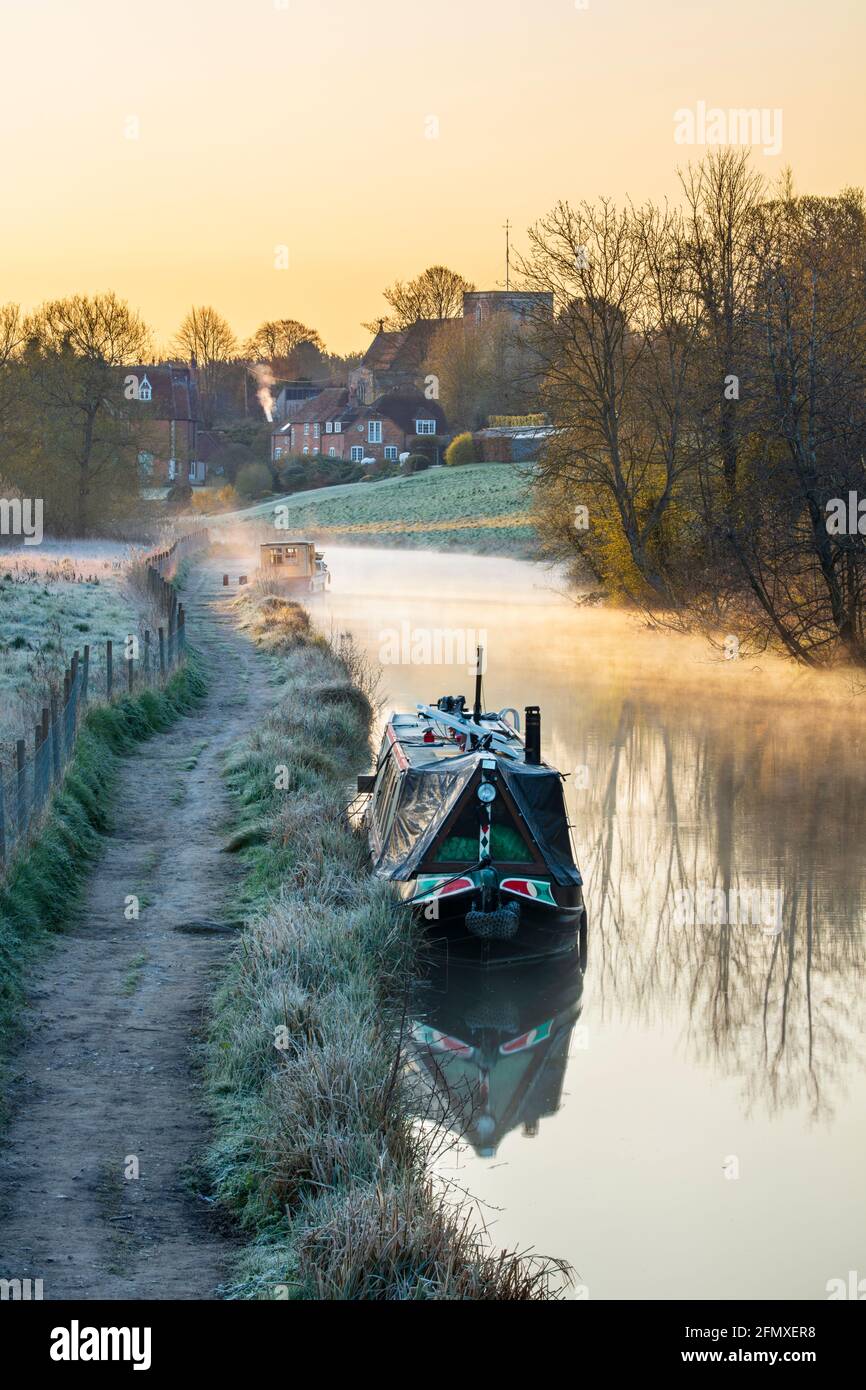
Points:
point(404, 408)
point(403, 351)
point(174, 392)
point(327, 405)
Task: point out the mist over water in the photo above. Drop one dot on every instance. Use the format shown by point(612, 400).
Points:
point(692, 1121)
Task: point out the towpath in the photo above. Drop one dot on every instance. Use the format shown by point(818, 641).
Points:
point(106, 1084)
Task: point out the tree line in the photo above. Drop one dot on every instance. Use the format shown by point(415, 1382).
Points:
point(704, 371)
point(67, 434)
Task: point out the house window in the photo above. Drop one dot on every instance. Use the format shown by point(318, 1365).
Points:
point(306, 448)
point(391, 452)
point(332, 453)
point(329, 427)
point(357, 453)
point(425, 426)
point(338, 427)
point(374, 432)
point(306, 429)
point(278, 453)
point(316, 431)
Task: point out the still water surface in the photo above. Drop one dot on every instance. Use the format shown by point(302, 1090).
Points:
point(688, 1119)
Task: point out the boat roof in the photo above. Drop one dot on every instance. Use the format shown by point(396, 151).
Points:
point(406, 732)
point(436, 776)
point(278, 545)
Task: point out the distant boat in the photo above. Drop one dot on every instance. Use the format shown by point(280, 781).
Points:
point(470, 826)
point(296, 566)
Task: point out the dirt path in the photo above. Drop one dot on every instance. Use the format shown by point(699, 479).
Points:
point(107, 1072)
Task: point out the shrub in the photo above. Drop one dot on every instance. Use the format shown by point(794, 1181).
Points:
point(223, 499)
point(415, 463)
point(179, 495)
point(253, 480)
point(301, 472)
point(461, 450)
point(425, 445)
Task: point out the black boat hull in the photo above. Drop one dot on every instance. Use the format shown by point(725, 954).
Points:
point(542, 932)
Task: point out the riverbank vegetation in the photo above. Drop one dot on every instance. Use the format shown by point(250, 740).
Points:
point(705, 372)
point(316, 1151)
point(41, 891)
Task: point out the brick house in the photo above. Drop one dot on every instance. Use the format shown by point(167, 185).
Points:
point(164, 411)
point(333, 425)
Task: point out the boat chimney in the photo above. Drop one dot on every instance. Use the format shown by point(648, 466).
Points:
point(479, 662)
point(532, 743)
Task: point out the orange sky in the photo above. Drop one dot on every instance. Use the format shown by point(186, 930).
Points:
point(304, 123)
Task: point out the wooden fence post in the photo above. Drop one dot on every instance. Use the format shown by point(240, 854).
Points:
point(147, 654)
point(37, 780)
point(162, 651)
point(67, 690)
point(109, 673)
point(55, 737)
point(21, 770)
point(73, 691)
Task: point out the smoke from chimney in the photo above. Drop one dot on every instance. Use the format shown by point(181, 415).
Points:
point(265, 379)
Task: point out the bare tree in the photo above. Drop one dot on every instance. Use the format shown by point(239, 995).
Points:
point(723, 196)
point(79, 443)
point(807, 576)
point(277, 341)
point(614, 364)
point(207, 339)
point(437, 293)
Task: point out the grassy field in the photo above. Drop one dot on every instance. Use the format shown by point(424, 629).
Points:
point(54, 598)
point(481, 508)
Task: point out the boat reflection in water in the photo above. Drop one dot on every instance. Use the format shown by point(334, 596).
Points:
point(490, 1048)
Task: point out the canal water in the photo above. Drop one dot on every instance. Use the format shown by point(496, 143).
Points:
point(686, 1118)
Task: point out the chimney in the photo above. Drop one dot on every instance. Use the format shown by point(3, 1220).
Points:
point(532, 742)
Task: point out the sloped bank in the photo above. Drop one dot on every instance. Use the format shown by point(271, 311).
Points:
point(316, 1151)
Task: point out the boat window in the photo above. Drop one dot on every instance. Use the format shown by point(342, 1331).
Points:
point(386, 798)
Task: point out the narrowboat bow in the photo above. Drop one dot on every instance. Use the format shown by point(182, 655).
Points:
point(470, 826)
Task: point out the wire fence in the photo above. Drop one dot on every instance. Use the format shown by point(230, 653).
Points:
point(94, 676)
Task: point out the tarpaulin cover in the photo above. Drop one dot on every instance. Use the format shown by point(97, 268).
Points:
point(428, 795)
point(425, 800)
point(538, 793)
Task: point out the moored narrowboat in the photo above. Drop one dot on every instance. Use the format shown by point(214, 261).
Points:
point(294, 565)
point(470, 826)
